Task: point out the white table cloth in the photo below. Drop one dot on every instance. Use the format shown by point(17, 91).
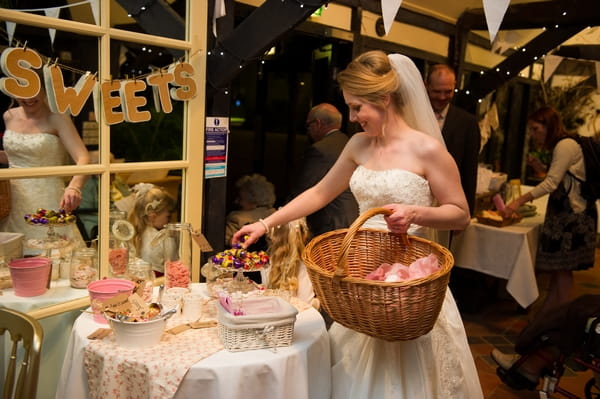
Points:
point(505, 252)
point(56, 330)
point(300, 371)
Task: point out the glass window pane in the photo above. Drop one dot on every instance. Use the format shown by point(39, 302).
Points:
point(160, 136)
point(68, 59)
point(159, 18)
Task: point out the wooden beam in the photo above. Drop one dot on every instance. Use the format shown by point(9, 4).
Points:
point(253, 36)
point(511, 66)
point(538, 15)
point(157, 18)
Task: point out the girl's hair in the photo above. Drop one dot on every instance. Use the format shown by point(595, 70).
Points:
point(371, 77)
point(256, 189)
point(286, 243)
point(148, 198)
point(550, 118)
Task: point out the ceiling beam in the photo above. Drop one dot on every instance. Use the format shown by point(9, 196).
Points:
point(481, 85)
point(538, 15)
point(253, 36)
point(157, 18)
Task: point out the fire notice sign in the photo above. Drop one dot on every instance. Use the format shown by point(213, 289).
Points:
point(215, 161)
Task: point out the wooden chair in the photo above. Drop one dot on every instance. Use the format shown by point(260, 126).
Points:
point(26, 335)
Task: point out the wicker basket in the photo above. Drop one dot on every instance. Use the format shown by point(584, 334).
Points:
point(241, 333)
point(337, 262)
point(4, 198)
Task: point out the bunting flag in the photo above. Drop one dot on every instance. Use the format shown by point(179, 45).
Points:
point(219, 12)
point(551, 62)
point(494, 13)
point(10, 29)
point(95, 5)
point(52, 13)
point(389, 9)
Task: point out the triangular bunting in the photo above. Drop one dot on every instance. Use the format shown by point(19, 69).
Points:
point(551, 62)
point(389, 9)
point(52, 13)
point(494, 13)
point(10, 29)
point(95, 5)
point(219, 12)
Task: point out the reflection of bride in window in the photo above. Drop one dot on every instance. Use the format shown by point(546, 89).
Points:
point(37, 137)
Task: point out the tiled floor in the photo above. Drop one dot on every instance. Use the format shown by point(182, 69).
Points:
point(497, 324)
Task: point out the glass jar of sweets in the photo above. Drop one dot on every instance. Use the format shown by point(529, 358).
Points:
point(176, 241)
point(84, 267)
point(121, 231)
point(140, 272)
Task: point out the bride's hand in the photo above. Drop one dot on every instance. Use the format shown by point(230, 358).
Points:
point(401, 218)
point(254, 232)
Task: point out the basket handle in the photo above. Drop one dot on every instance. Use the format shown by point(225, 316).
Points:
point(342, 266)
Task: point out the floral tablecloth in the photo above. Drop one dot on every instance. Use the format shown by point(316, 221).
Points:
point(117, 372)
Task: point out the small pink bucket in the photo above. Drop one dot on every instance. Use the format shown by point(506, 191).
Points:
point(30, 275)
point(101, 290)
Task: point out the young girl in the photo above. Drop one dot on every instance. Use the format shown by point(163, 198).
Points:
point(151, 212)
point(287, 271)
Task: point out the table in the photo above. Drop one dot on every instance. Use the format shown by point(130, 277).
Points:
point(504, 252)
point(56, 330)
point(299, 371)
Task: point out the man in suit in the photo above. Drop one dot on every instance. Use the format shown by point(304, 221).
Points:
point(323, 124)
point(462, 136)
point(459, 128)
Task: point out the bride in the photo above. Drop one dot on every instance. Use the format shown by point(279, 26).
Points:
point(399, 162)
point(37, 137)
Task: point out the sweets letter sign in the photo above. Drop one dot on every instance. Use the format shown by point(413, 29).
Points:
point(120, 100)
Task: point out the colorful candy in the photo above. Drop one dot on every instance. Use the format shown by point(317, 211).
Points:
point(43, 216)
point(239, 258)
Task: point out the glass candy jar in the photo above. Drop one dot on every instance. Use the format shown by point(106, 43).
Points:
point(140, 272)
point(84, 267)
point(176, 242)
point(121, 231)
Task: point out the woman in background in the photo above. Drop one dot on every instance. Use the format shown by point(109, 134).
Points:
point(256, 197)
point(568, 237)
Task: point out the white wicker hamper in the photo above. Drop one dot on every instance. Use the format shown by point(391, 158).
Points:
point(268, 329)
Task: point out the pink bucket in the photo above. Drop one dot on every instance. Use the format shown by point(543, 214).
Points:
point(101, 290)
point(30, 276)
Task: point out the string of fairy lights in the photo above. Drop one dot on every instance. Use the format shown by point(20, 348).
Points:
point(221, 50)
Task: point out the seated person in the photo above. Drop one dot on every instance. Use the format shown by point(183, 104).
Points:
point(256, 197)
point(151, 212)
point(541, 343)
point(287, 271)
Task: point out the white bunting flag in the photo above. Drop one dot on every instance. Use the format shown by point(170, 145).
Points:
point(494, 13)
point(95, 10)
point(52, 13)
point(389, 9)
point(10, 29)
point(218, 13)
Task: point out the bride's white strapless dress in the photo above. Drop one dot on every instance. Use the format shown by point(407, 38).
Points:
point(436, 365)
point(25, 150)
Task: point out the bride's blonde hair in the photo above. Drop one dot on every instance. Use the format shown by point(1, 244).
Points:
point(286, 243)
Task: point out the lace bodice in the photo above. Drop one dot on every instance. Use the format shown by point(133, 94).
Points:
point(375, 188)
point(25, 150)
point(33, 149)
